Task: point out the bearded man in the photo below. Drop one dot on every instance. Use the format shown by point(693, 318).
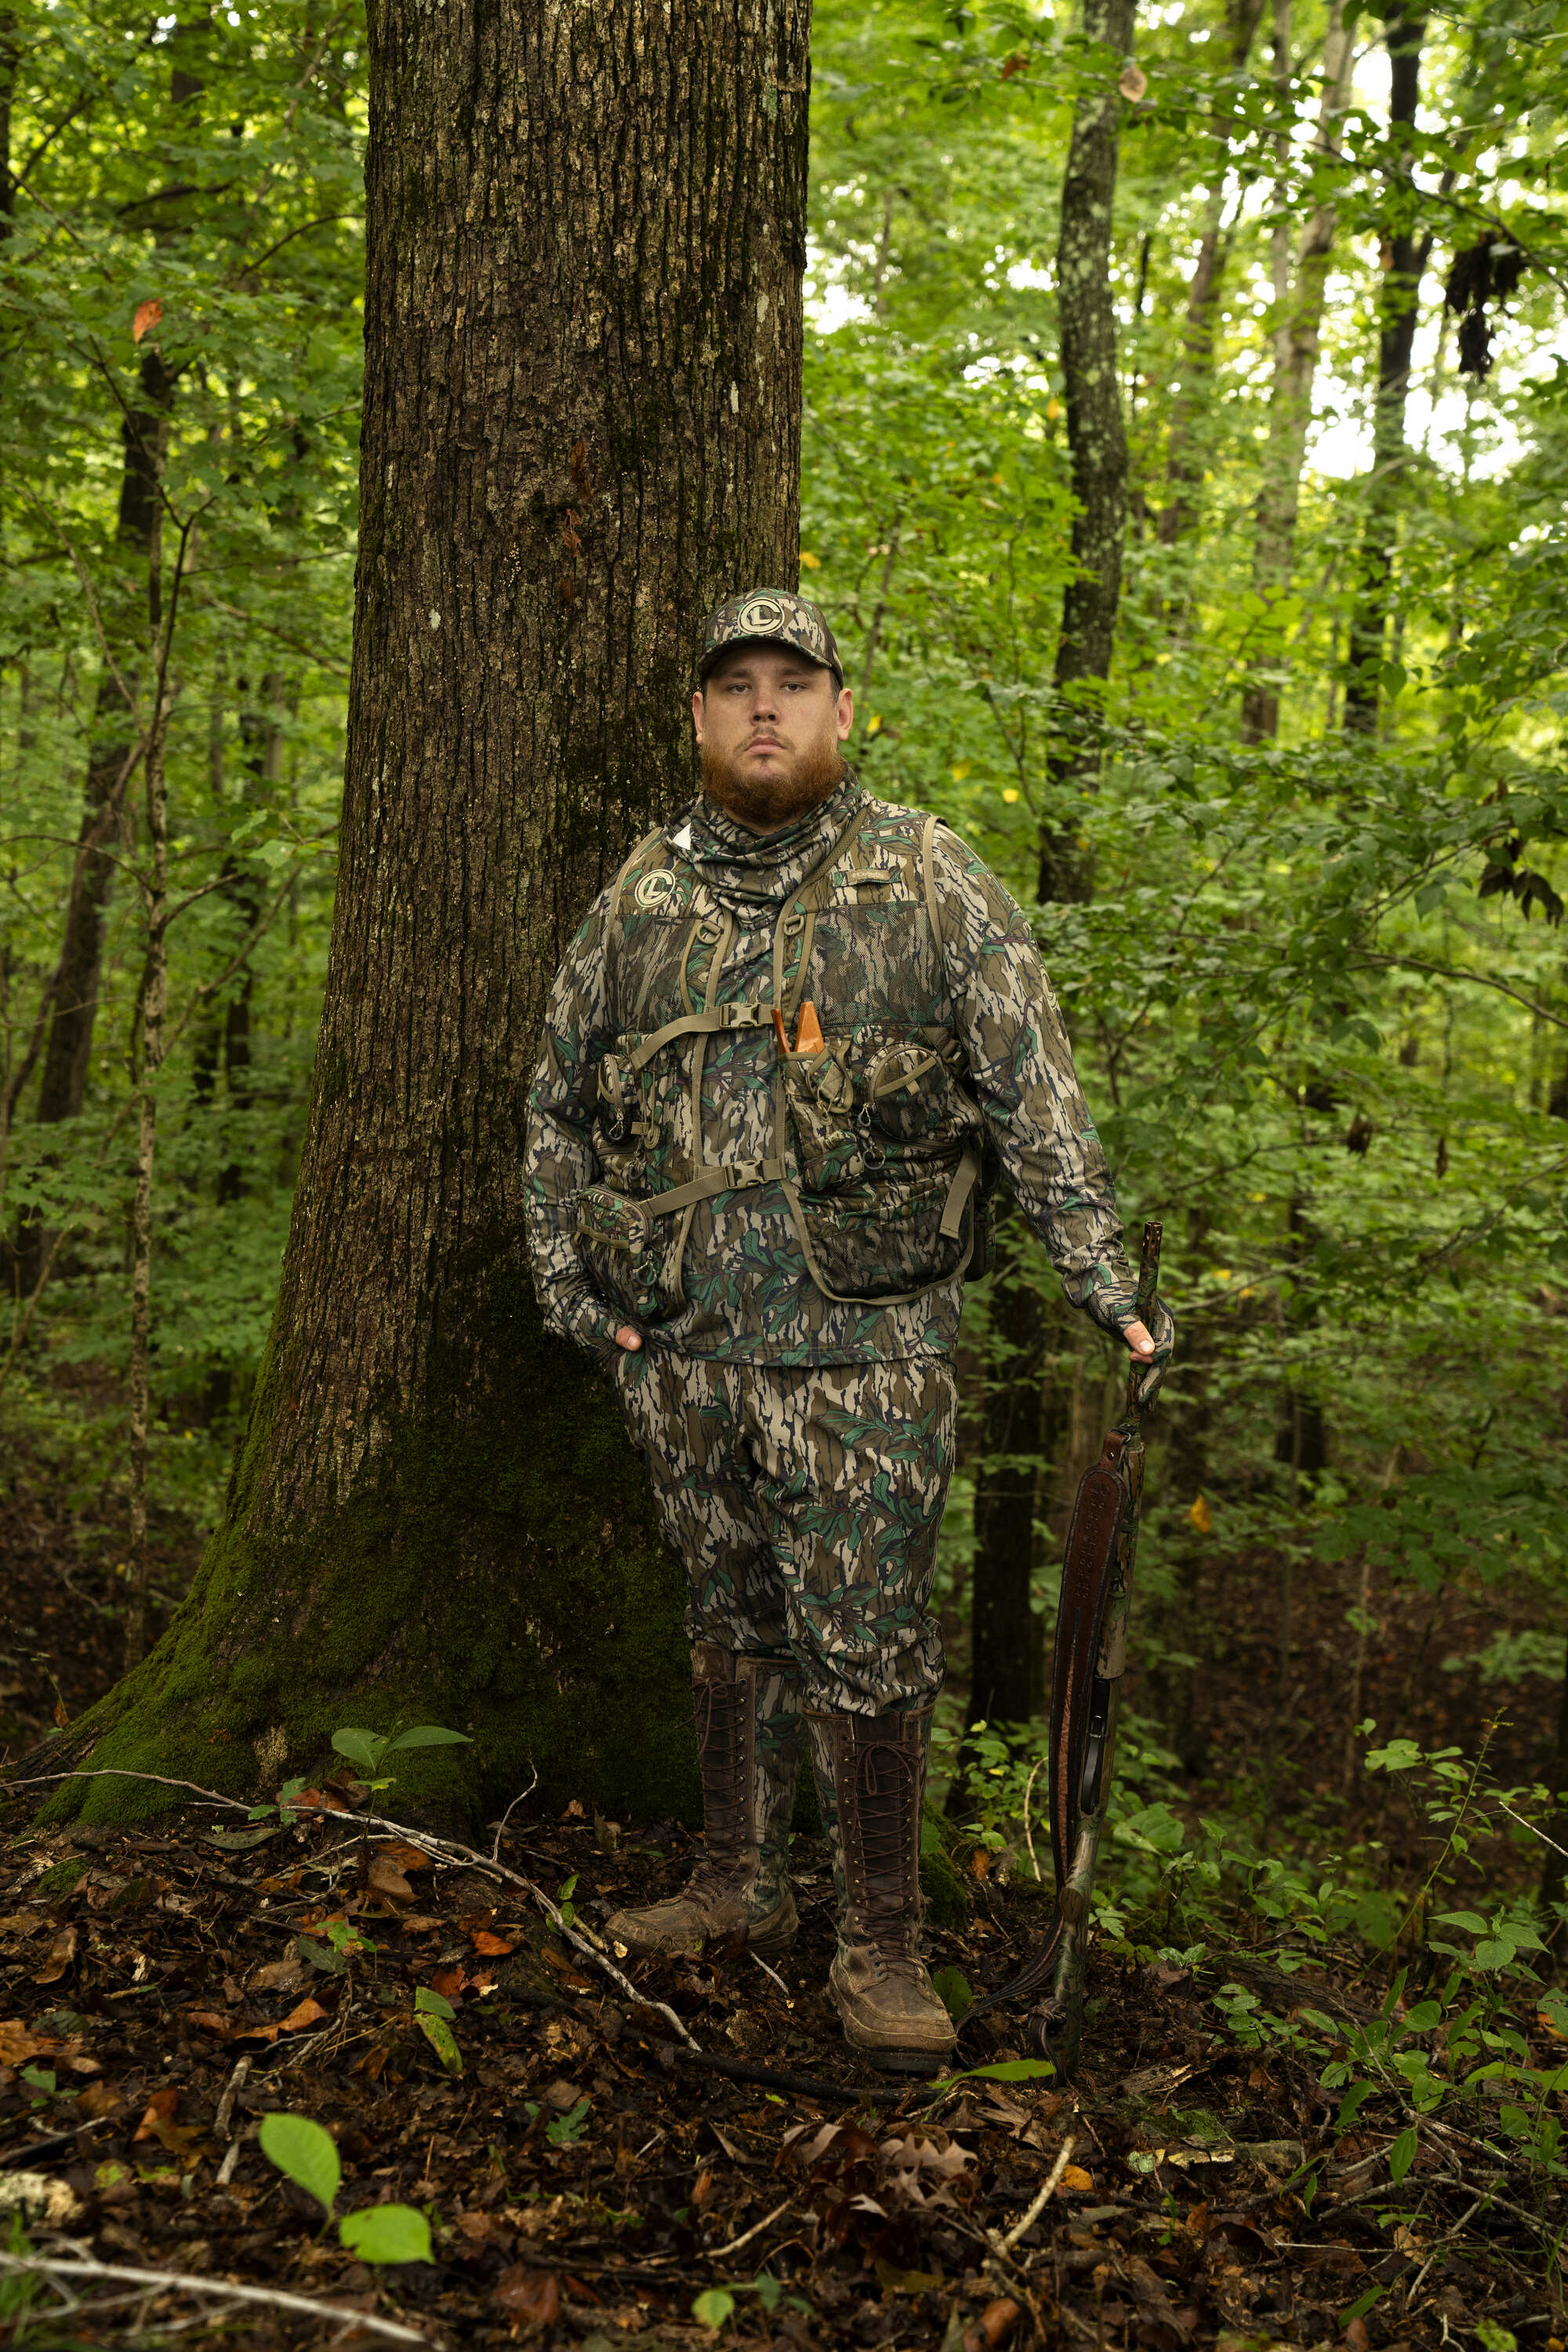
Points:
point(787, 1057)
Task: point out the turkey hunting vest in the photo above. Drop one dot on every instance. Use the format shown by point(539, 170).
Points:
point(872, 1133)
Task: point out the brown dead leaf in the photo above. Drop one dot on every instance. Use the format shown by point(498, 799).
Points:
point(1132, 83)
point(279, 1976)
point(285, 1882)
point(23, 1923)
point(320, 1800)
point(144, 319)
point(418, 1924)
point(564, 1970)
point(305, 2013)
point(404, 1856)
point(210, 2021)
point(561, 2094)
point(450, 1983)
point(533, 2295)
point(493, 1946)
point(18, 2043)
point(99, 2099)
point(998, 2320)
point(158, 2123)
point(384, 1878)
point(573, 1811)
point(1075, 2176)
point(62, 1952)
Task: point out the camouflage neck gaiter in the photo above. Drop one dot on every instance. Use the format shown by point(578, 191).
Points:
point(740, 866)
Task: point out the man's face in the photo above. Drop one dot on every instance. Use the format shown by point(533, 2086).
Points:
point(769, 723)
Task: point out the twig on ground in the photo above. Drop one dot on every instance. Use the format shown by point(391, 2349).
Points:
point(1028, 1834)
point(581, 1937)
point(755, 2231)
point(500, 1825)
point(231, 2092)
point(1052, 2183)
point(181, 2282)
point(769, 1972)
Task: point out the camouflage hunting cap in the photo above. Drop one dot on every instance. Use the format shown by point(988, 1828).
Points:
point(770, 614)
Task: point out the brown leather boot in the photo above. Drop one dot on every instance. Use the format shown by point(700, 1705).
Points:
point(879, 1983)
point(731, 1889)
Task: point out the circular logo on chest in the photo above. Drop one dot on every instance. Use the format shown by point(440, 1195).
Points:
point(656, 888)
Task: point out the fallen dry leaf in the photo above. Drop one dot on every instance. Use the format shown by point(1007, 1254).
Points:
point(450, 1982)
point(1075, 2176)
point(531, 2294)
point(279, 1976)
point(495, 1947)
point(998, 2320)
point(420, 1924)
point(62, 1952)
point(18, 2043)
point(404, 1856)
point(384, 1878)
point(99, 2099)
point(210, 2021)
point(305, 2013)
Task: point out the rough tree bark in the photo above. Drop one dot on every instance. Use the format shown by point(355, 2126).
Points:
point(1296, 343)
point(1405, 259)
point(1096, 438)
point(582, 415)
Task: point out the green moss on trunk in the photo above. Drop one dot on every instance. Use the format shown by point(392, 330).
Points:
point(499, 1572)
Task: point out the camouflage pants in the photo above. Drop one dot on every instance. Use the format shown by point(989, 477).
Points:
point(805, 1504)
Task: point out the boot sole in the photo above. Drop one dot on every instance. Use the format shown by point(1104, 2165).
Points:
point(925, 2063)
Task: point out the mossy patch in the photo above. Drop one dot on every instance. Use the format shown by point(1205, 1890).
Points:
point(59, 1880)
point(500, 1571)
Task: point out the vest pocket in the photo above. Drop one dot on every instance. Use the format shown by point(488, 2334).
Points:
point(873, 1241)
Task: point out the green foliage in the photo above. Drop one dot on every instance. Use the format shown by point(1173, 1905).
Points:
point(308, 2156)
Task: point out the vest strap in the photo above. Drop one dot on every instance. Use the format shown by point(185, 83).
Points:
point(725, 1176)
point(701, 1024)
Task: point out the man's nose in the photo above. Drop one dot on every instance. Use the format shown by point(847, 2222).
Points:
point(764, 705)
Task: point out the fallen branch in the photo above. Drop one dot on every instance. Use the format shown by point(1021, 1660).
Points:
point(756, 2228)
point(181, 2282)
point(447, 1850)
point(1053, 2182)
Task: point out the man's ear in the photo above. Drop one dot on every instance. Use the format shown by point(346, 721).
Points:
point(846, 714)
point(696, 713)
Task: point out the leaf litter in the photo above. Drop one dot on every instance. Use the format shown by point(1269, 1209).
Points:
point(586, 2183)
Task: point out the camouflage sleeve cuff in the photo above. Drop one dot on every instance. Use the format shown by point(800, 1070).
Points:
point(583, 1318)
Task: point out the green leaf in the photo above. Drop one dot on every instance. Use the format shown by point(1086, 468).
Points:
point(364, 1748)
point(713, 2308)
point(568, 2128)
point(1351, 2105)
point(1492, 2338)
point(1362, 2306)
point(1465, 1919)
point(428, 1735)
point(1402, 2155)
point(952, 1990)
point(321, 1956)
point(240, 1840)
point(438, 2035)
point(306, 2154)
point(429, 2002)
point(386, 2233)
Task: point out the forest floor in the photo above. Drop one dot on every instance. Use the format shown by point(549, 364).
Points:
point(587, 2183)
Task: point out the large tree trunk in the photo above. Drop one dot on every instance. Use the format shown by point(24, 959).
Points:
point(1405, 259)
point(1296, 342)
point(1097, 441)
point(582, 329)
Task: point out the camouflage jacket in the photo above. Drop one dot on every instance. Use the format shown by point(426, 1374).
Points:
point(741, 1186)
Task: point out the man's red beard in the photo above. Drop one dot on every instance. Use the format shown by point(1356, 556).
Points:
point(767, 801)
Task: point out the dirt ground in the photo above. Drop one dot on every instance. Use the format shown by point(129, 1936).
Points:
point(588, 2181)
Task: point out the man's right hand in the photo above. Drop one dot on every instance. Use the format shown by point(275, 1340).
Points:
point(629, 1338)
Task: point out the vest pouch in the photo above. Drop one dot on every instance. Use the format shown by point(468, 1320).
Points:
point(821, 1100)
point(617, 1241)
point(909, 1096)
point(873, 1241)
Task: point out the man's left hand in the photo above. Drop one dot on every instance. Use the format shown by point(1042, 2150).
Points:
point(1140, 1341)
